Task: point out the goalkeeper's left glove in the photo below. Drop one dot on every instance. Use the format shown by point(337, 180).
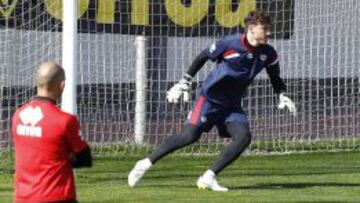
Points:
point(182, 88)
point(286, 101)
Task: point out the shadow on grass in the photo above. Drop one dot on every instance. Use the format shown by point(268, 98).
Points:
point(99, 176)
point(9, 189)
point(316, 201)
point(294, 185)
point(6, 171)
point(324, 202)
point(270, 186)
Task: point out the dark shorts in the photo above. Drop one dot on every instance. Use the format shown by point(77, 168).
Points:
point(205, 115)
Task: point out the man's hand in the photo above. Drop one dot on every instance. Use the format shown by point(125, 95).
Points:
point(72, 158)
point(180, 88)
point(286, 101)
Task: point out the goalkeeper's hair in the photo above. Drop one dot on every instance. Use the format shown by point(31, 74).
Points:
point(257, 17)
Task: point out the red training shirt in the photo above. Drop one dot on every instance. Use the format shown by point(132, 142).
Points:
point(44, 138)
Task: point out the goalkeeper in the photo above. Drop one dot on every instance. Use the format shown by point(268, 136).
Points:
point(239, 58)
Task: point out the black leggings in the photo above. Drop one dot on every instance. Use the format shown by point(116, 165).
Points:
point(239, 132)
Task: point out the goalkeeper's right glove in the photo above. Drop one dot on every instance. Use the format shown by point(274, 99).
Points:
point(183, 87)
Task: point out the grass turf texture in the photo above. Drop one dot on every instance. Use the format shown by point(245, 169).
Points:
point(325, 177)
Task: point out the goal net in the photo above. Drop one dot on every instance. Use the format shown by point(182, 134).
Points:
point(26, 38)
point(316, 41)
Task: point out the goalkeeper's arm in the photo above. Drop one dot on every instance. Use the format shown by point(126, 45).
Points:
point(184, 85)
point(280, 88)
point(197, 64)
point(275, 79)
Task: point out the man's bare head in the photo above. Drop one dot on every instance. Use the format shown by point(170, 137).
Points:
point(50, 78)
point(257, 27)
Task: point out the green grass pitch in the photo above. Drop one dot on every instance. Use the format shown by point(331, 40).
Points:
point(310, 177)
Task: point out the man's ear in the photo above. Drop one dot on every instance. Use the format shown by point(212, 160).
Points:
point(250, 28)
point(62, 85)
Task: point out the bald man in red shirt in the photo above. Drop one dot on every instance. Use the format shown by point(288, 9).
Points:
point(47, 144)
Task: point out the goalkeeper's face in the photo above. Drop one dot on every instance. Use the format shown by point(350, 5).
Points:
point(260, 33)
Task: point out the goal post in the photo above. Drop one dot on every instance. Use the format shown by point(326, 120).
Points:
point(140, 90)
point(69, 55)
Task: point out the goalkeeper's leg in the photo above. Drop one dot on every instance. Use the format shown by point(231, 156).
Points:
point(241, 138)
point(189, 135)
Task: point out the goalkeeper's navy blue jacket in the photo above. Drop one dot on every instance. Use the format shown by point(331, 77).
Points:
point(237, 64)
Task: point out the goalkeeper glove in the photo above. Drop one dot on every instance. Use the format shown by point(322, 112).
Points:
point(180, 88)
point(286, 101)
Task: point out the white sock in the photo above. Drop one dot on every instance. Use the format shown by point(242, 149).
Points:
point(147, 162)
point(209, 173)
